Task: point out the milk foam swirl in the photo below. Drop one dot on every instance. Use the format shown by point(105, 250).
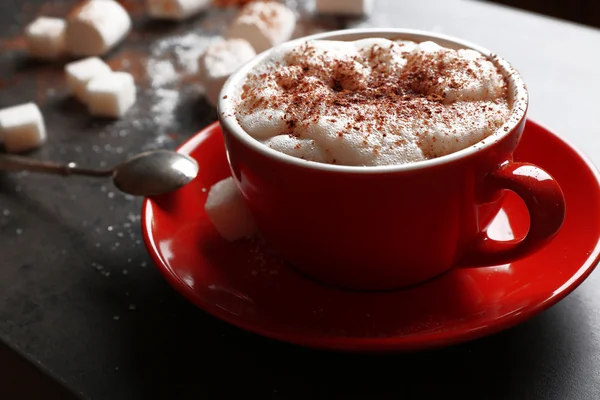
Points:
point(372, 101)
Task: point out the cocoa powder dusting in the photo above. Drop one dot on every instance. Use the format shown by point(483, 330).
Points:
point(317, 85)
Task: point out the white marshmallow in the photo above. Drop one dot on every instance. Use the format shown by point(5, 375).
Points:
point(263, 24)
point(344, 7)
point(22, 128)
point(95, 27)
point(79, 73)
point(227, 211)
point(46, 37)
point(111, 95)
point(219, 61)
point(175, 9)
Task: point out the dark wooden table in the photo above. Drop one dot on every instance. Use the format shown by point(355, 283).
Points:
point(80, 300)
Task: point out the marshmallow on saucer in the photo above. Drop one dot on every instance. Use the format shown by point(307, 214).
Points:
point(95, 27)
point(227, 211)
point(46, 37)
point(111, 95)
point(263, 24)
point(344, 7)
point(175, 9)
point(79, 73)
point(22, 128)
point(219, 61)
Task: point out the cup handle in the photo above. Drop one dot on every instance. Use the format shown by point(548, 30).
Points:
point(546, 206)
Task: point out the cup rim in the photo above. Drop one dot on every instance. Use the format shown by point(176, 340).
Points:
point(520, 97)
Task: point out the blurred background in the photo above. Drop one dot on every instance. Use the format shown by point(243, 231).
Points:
point(581, 11)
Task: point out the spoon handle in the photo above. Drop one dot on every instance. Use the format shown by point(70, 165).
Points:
point(20, 163)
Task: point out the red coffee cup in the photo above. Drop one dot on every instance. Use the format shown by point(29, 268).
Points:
point(387, 227)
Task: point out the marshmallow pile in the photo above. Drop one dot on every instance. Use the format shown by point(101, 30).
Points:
point(106, 93)
point(90, 30)
point(93, 28)
point(257, 27)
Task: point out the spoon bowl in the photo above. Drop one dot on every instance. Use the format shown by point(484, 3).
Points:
point(154, 173)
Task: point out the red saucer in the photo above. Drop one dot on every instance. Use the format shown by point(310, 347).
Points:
point(240, 284)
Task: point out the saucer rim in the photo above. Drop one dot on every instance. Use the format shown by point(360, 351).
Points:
point(400, 343)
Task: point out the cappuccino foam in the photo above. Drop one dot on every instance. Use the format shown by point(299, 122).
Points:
point(373, 101)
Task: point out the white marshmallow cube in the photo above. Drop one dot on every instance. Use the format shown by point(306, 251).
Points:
point(263, 24)
point(175, 9)
point(344, 7)
point(227, 211)
point(219, 61)
point(22, 128)
point(79, 73)
point(95, 27)
point(111, 95)
point(46, 37)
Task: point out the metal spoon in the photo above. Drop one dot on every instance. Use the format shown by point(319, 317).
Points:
point(147, 174)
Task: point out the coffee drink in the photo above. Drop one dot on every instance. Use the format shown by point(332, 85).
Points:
point(372, 102)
